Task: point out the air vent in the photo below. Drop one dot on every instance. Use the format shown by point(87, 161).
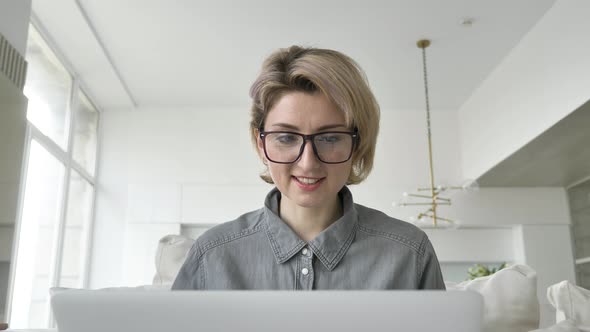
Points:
point(12, 63)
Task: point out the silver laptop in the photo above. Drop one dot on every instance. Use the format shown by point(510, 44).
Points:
point(266, 311)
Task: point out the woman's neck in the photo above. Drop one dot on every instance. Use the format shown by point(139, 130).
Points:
point(307, 223)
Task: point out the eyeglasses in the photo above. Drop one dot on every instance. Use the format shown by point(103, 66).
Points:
point(286, 147)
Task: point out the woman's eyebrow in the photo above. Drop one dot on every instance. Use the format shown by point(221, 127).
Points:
point(324, 127)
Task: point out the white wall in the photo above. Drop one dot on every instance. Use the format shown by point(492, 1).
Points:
point(543, 79)
point(111, 202)
point(483, 245)
point(6, 236)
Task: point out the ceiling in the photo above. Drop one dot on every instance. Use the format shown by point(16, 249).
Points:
point(559, 157)
point(205, 54)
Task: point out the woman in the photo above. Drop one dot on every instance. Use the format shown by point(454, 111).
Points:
point(314, 122)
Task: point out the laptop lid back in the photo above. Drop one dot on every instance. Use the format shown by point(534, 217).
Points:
point(266, 311)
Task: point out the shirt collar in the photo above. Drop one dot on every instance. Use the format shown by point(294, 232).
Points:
point(329, 246)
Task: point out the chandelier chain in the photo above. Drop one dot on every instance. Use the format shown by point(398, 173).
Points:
point(426, 90)
point(432, 191)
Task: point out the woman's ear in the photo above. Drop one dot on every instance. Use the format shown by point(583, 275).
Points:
point(260, 147)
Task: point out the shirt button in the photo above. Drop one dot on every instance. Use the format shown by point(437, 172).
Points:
point(305, 271)
point(304, 251)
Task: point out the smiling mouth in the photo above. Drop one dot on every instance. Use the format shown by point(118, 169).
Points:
point(307, 181)
point(308, 184)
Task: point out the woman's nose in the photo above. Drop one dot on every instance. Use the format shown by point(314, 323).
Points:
point(308, 159)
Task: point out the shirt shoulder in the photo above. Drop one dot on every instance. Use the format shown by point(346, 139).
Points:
point(193, 273)
point(377, 224)
point(245, 225)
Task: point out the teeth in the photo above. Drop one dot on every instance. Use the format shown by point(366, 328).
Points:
point(307, 180)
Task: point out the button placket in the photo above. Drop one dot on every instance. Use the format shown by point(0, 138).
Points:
point(306, 269)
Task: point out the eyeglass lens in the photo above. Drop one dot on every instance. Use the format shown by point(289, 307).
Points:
point(287, 147)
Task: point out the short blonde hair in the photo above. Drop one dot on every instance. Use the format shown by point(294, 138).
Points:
point(335, 75)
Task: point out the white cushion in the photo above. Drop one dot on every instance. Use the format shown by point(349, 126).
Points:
point(572, 303)
point(170, 255)
point(510, 299)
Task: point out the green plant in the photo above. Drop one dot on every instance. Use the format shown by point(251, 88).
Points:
point(479, 270)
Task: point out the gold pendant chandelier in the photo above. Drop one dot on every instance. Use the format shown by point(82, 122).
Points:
point(431, 196)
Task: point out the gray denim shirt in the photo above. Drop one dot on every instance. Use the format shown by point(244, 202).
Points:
point(364, 249)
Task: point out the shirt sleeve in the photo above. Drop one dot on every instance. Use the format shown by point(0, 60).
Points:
point(191, 275)
point(431, 276)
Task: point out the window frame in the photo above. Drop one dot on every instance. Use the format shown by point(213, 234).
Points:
point(67, 159)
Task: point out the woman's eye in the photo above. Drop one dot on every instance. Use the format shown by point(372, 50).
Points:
point(329, 139)
point(286, 138)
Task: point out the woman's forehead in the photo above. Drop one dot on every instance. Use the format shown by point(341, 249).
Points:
point(305, 111)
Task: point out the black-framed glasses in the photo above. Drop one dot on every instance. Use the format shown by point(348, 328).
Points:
point(330, 147)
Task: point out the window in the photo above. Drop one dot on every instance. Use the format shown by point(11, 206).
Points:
point(59, 187)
